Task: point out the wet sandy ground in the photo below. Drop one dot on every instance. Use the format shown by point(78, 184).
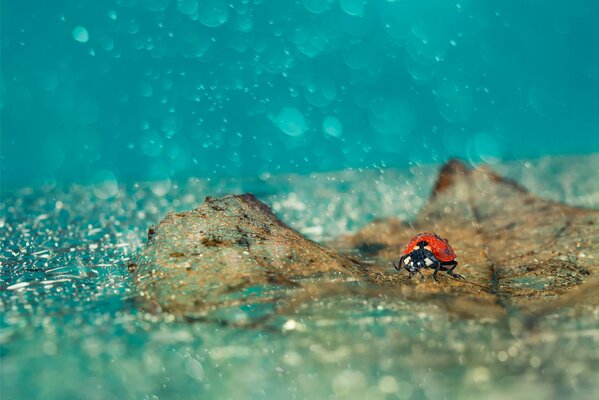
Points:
point(69, 310)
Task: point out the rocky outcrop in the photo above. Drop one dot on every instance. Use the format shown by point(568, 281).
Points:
point(229, 251)
point(518, 252)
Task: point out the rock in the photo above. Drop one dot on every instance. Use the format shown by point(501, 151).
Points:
point(520, 254)
point(226, 252)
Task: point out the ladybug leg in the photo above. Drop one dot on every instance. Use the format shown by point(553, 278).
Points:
point(450, 265)
point(411, 274)
point(399, 263)
point(437, 267)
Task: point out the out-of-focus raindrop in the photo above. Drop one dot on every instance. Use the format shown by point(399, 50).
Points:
point(418, 71)
point(360, 55)
point(107, 44)
point(353, 7)
point(348, 382)
point(388, 384)
point(311, 40)
point(213, 13)
point(194, 369)
point(105, 184)
point(188, 7)
point(160, 184)
point(320, 92)
point(486, 146)
point(332, 126)
point(291, 121)
point(317, 6)
point(81, 34)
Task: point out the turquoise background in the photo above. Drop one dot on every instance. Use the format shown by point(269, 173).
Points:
point(127, 90)
point(131, 98)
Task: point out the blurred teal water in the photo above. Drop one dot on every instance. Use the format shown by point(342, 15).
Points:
point(123, 90)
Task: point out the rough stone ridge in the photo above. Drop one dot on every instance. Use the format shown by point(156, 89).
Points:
point(205, 258)
point(519, 253)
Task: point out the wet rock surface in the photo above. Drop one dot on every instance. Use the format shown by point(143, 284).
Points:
point(521, 256)
point(229, 251)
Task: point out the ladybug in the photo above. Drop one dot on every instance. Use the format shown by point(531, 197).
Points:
point(427, 250)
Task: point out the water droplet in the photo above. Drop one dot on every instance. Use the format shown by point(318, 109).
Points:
point(478, 375)
point(320, 92)
point(81, 34)
point(418, 71)
point(291, 121)
point(353, 7)
point(105, 184)
point(486, 146)
point(332, 126)
point(162, 185)
point(317, 6)
point(107, 44)
point(188, 7)
point(290, 325)
point(213, 13)
point(388, 384)
point(359, 56)
point(348, 381)
point(195, 369)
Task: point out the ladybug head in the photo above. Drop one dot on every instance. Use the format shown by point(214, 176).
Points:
point(412, 268)
point(417, 259)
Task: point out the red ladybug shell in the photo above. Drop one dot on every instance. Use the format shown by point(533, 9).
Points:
point(439, 247)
